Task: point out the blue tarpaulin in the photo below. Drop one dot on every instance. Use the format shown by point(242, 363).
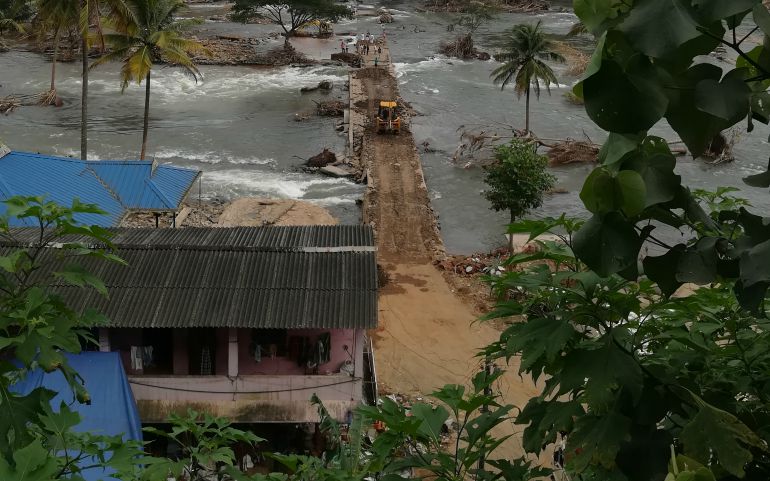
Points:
point(112, 410)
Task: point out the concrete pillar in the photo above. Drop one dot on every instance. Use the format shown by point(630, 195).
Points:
point(232, 352)
point(104, 339)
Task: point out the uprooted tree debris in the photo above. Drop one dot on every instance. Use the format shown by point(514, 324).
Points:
point(559, 151)
point(462, 47)
point(515, 6)
point(11, 102)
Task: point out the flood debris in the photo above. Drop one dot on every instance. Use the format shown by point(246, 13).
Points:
point(331, 108)
point(571, 151)
point(462, 47)
point(9, 104)
point(326, 85)
point(322, 159)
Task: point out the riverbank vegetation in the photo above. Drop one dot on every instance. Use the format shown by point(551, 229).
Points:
point(473, 18)
point(291, 15)
point(465, 6)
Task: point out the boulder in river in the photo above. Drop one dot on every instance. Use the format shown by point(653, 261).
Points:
point(323, 159)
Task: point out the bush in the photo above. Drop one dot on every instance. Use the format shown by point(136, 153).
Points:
point(518, 179)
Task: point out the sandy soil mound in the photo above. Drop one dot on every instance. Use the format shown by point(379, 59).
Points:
point(253, 211)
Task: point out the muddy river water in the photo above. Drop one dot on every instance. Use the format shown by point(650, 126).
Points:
point(238, 124)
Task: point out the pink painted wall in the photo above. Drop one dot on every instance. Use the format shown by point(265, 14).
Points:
point(285, 366)
point(122, 339)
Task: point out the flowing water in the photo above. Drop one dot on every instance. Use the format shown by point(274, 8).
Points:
point(237, 125)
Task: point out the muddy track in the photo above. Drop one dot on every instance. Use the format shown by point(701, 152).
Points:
point(397, 202)
point(427, 336)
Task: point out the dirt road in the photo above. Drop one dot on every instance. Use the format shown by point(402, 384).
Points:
point(427, 336)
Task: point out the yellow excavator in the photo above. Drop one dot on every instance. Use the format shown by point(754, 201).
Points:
point(388, 120)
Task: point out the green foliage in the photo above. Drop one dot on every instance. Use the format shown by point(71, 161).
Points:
point(524, 57)
point(13, 14)
point(628, 372)
point(36, 329)
point(474, 16)
point(205, 443)
point(290, 15)
point(518, 179)
point(642, 72)
point(413, 436)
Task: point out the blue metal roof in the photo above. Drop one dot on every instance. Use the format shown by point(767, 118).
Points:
point(116, 186)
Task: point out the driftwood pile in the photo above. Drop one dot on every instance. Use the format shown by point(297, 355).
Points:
point(9, 104)
point(571, 151)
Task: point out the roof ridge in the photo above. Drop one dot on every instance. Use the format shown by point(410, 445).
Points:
point(106, 186)
point(149, 181)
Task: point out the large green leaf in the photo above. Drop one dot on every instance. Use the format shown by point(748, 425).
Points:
point(727, 99)
point(695, 127)
point(597, 440)
point(540, 340)
point(596, 13)
point(657, 171)
point(607, 243)
point(31, 463)
point(545, 419)
point(617, 146)
point(659, 27)
point(603, 372)
point(714, 432)
point(598, 193)
point(632, 193)
point(663, 269)
point(698, 264)
point(755, 264)
point(762, 17)
point(432, 418)
point(18, 412)
point(711, 10)
point(625, 100)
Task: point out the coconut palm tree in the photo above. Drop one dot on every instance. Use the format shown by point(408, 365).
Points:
point(148, 36)
point(56, 16)
point(526, 50)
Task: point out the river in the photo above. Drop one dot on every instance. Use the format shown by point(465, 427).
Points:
point(238, 126)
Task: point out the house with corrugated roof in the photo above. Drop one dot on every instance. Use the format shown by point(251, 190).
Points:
point(118, 187)
point(242, 322)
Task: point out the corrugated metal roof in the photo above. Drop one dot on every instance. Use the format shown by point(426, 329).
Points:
point(316, 237)
point(250, 277)
point(115, 186)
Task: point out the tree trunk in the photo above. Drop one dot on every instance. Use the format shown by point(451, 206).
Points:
point(146, 116)
point(510, 236)
point(526, 118)
point(56, 39)
point(84, 99)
